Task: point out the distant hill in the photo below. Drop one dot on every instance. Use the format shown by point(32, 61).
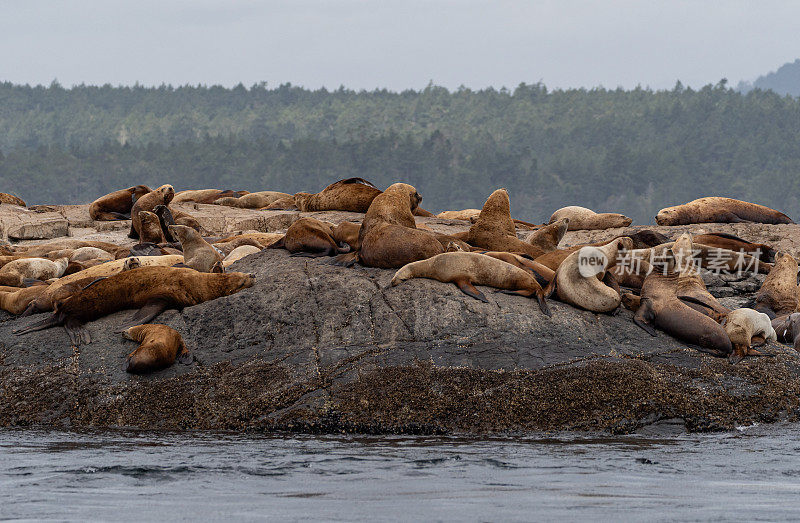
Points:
point(786, 80)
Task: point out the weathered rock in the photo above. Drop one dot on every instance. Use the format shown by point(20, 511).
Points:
point(19, 223)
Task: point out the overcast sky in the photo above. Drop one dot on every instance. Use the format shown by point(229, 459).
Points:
point(369, 43)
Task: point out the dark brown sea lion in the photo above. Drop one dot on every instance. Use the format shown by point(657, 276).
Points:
point(10, 199)
point(581, 218)
point(352, 194)
point(159, 347)
point(206, 195)
point(197, 253)
point(787, 329)
point(677, 302)
point(161, 196)
point(467, 269)
point(118, 204)
point(779, 293)
point(347, 232)
point(310, 237)
point(150, 228)
point(152, 290)
point(548, 237)
point(167, 217)
point(494, 229)
point(765, 253)
point(716, 209)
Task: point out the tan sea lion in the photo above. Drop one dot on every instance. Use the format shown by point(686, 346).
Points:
point(581, 218)
point(228, 247)
point(149, 289)
point(197, 253)
point(159, 347)
point(543, 274)
point(310, 237)
point(464, 214)
point(10, 199)
point(238, 253)
point(388, 236)
point(83, 254)
point(467, 269)
point(548, 237)
point(205, 195)
point(494, 229)
point(283, 204)
point(742, 325)
point(17, 301)
point(779, 293)
point(254, 200)
point(148, 202)
point(117, 205)
point(352, 194)
point(15, 273)
point(150, 228)
point(594, 290)
point(61, 244)
point(716, 209)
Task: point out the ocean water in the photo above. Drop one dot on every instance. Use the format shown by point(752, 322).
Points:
point(747, 475)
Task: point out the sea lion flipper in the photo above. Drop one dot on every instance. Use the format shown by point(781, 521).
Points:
point(345, 260)
point(120, 216)
point(644, 315)
point(279, 244)
point(470, 290)
point(51, 321)
point(186, 358)
point(147, 313)
point(77, 332)
point(30, 282)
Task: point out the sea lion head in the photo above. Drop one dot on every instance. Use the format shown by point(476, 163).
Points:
point(235, 281)
point(167, 193)
point(667, 216)
point(131, 263)
point(183, 233)
point(138, 191)
point(228, 201)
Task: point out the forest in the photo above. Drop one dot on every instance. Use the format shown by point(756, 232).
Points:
point(630, 151)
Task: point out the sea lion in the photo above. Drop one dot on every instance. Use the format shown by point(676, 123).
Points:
point(676, 301)
point(17, 272)
point(161, 196)
point(581, 218)
point(46, 300)
point(168, 216)
point(494, 229)
point(118, 204)
point(544, 275)
point(44, 249)
point(149, 289)
point(150, 228)
point(226, 248)
point(238, 253)
point(10, 199)
point(467, 269)
point(310, 237)
point(548, 237)
point(84, 254)
point(254, 200)
point(744, 324)
point(787, 328)
point(764, 253)
point(347, 232)
point(464, 214)
point(352, 194)
point(206, 195)
point(17, 301)
point(715, 209)
point(263, 238)
point(779, 293)
point(388, 236)
point(159, 347)
point(283, 204)
point(197, 253)
point(591, 289)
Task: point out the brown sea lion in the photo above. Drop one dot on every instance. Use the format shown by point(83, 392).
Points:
point(159, 347)
point(66, 243)
point(118, 204)
point(283, 204)
point(17, 301)
point(10, 199)
point(352, 194)
point(150, 228)
point(677, 302)
point(261, 238)
point(152, 290)
point(779, 293)
point(347, 232)
point(548, 237)
point(168, 216)
point(17, 272)
point(197, 253)
point(716, 209)
point(205, 195)
point(148, 202)
point(467, 269)
point(464, 214)
point(742, 325)
point(583, 280)
point(419, 211)
point(494, 229)
point(544, 275)
point(581, 218)
point(254, 200)
point(388, 237)
point(787, 329)
point(310, 237)
point(765, 253)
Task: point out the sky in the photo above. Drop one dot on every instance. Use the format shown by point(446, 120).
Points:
point(367, 44)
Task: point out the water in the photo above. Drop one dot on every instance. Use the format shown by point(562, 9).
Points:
point(752, 474)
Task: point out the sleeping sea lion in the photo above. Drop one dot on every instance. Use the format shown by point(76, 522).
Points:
point(787, 328)
point(779, 293)
point(18, 300)
point(17, 272)
point(152, 290)
point(159, 347)
point(254, 200)
point(467, 269)
point(716, 209)
point(238, 253)
point(310, 237)
point(765, 253)
point(347, 232)
point(352, 194)
point(742, 325)
point(10, 199)
point(118, 204)
point(581, 218)
point(465, 214)
point(205, 195)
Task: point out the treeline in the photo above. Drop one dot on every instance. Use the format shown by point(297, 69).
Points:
point(627, 151)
